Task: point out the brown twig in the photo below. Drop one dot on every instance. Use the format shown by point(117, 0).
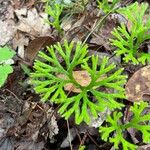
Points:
point(13, 94)
point(78, 134)
point(69, 136)
point(92, 139)
point(84, 138)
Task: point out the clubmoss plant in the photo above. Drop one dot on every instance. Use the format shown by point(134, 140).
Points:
point(95, 97)
point(107, 6)
point(138, 121)
point(54, 11)
point(82, 147)
point(5, 68)
point(128, 42)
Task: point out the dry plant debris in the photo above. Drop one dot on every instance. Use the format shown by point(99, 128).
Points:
point(138, 86)
point(26, 124)
point(82, 77)
point(6, 32)
point(36, 45)
point(31, 22)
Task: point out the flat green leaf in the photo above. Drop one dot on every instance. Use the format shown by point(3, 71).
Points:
point(6, 53)
point(4, 72)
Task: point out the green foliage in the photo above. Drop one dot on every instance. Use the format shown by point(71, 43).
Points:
point(82, 147)
point(25, 69)
point(54, 11)
point(5, 69)
point(106, 6)
point(138, 122)
point(77, 6)
point(128, 43)
point(92, 99)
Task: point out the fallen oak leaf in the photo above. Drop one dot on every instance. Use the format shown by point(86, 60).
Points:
point(82, 77)
point(138, 86)
point(32, 22)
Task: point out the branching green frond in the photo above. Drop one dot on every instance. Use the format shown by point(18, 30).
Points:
point(106, 6)
point(55, 12)
point(128, 43)
point(138, 122)
point(138, 117)
point(55, 69)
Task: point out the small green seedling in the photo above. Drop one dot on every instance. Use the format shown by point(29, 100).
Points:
point(95, 97)
point(138, 121)
point(106, 6)
point(25, 69)
point(5, 69)
point(82, 147)
point(128, 42)
point(54, 11)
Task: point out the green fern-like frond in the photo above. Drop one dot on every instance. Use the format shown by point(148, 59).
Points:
point(138, 122)
point(54, 11)
point(106, 6)
point(105, 87)
point(138, 118)
point(128, 43)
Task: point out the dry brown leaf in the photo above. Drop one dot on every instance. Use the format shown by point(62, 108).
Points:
point(36, 45)
point(82, 77)
point(32, 22)
point(67, 23)
point(144, 147)
point(138, 86)
point(19, 43)
point(38, 119)
point(7, 30)
point(17, 4)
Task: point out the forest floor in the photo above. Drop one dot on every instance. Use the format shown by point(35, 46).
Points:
point(25, 122)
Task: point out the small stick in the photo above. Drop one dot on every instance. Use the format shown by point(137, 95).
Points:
point(78, 134)
point(13, 94)
point(92, 139)
point(84, 138)
point(69, 135)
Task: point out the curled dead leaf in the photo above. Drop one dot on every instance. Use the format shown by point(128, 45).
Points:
point(138, 86)
point(32, 22)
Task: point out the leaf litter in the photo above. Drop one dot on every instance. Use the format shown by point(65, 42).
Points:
point(138, 86)
point(35, 120)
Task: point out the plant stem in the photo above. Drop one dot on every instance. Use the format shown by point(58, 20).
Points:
point(99, 24)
